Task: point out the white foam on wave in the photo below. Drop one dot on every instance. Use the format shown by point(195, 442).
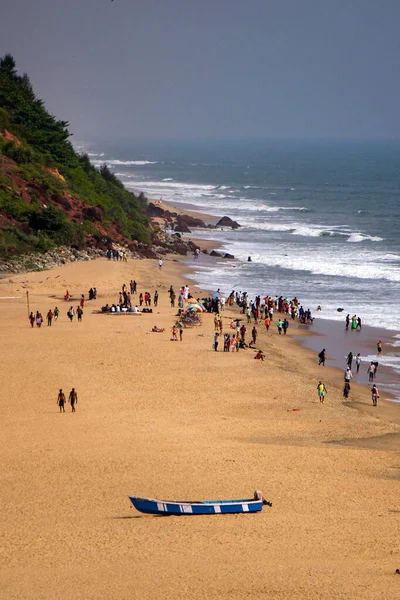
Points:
point(389, 360)
point(287, 208)
point(312, 260)
point(130, 163)
point(173, 186)
point(167, 179)
point(363, 237)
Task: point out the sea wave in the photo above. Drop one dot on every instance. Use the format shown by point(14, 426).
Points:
point(388, 360)
point(363, 237)
point(130, 163)
point(316, 262)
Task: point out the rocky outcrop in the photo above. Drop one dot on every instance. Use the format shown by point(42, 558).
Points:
point(48, 260)
point(93, 213)
point(178, 222)
point(227, 255)
point(227, 222)
point(216, 254)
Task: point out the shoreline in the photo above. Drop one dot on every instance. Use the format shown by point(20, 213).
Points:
point(323, 327)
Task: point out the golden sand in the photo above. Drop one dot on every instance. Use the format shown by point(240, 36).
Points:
point(178, 421)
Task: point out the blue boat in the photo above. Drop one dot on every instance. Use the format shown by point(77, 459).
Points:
point(208, 507)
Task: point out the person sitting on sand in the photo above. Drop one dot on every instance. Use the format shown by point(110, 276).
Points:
point(259, 355)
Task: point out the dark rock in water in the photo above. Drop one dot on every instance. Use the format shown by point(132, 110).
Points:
point(205, 251)
point(227, 255)
point(182, 227)
point(214, 253)
point(177, 235)
point(227, 222)
point(155, 211)
point(190, 221)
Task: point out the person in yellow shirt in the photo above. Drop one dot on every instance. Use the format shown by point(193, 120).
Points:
point(321, 391)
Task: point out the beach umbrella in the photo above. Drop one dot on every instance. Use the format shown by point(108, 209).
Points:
point(194, 308)
point(199, 307)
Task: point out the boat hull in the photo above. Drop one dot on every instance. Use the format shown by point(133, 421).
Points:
point(212, 507)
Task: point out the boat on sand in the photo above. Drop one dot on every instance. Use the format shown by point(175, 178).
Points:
point(206, 507)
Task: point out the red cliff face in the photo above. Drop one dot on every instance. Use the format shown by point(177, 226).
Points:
point(76, 210)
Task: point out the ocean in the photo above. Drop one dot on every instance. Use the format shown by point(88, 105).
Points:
point(319, 219)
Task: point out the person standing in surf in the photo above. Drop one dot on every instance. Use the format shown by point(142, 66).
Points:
point(321, 357)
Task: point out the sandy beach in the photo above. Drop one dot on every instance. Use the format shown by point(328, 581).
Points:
point(179, 421)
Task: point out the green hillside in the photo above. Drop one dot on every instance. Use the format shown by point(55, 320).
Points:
point(50, 195)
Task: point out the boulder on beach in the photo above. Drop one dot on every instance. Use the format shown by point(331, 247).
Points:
point(227, 222)
point(227, 255)
point(182, 227)
point(215, 253)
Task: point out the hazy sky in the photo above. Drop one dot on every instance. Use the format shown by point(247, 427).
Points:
point(211, 68)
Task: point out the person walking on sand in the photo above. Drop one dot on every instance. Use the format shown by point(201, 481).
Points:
point(160, 263)
point(32, 319)
point(174, 334)
point(358, 362)
point(346, 389)
point(61, 400)
point(375, 395)
point(379, 347)
point(321, 391)
point(216, 340)
point(347, 322)
point(79, 313)
point(348, 375)
point(254, 335)
point(267, 323)
point(71, 313)
point(56, 313)
point(321, 357)
point(73, 399)
point(50, 316)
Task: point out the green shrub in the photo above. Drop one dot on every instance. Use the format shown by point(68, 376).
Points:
point(4, 120)
point(54, 223)
point(13, 206)
point(20, 154)
point(14, 242)
point(88, 227)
